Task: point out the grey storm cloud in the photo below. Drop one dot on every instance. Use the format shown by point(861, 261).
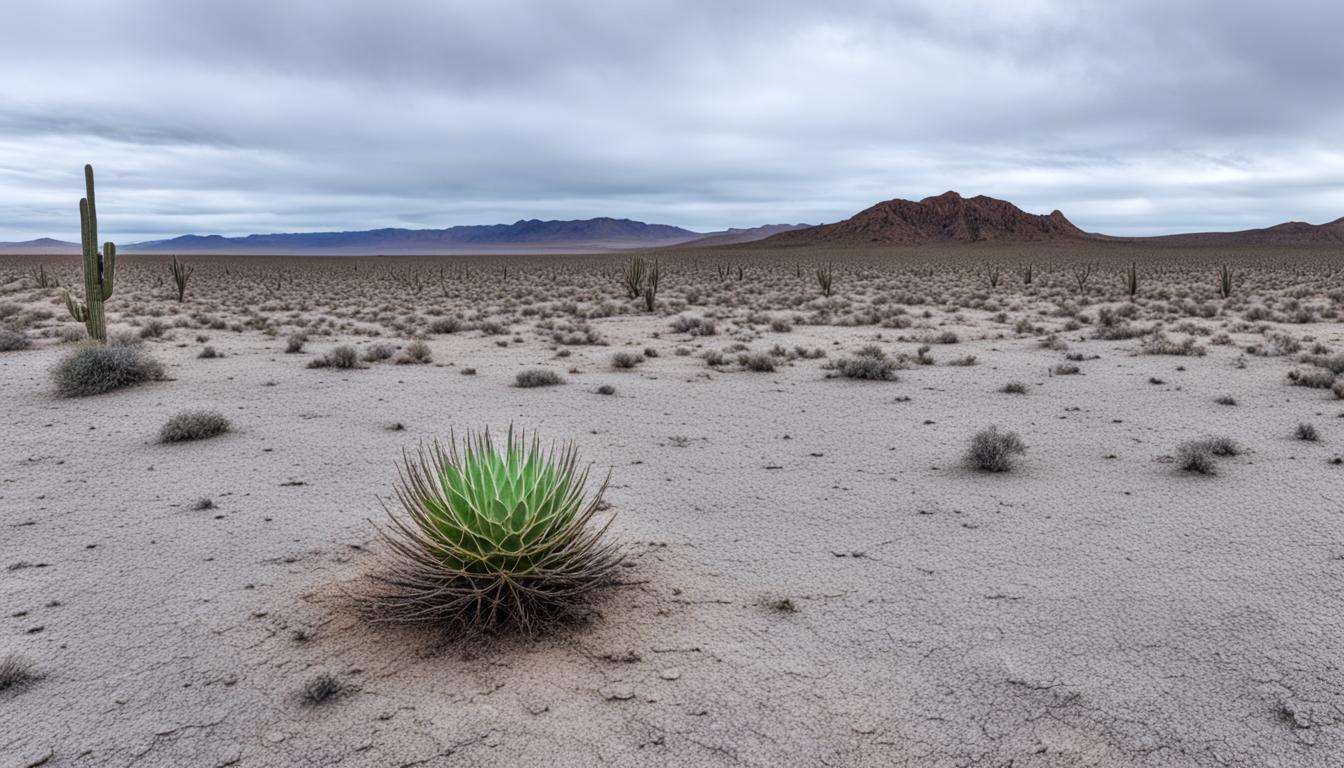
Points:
point(1135, 117)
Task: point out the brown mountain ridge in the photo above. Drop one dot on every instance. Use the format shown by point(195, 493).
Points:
point(946, 217)
point(949, 217)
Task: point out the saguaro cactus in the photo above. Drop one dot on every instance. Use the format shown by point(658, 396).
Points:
point(97, 268)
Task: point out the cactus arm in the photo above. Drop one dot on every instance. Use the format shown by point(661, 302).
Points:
point(78, 310)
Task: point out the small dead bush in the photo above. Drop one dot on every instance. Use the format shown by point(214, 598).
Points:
point(538, 377)
point(869, 363)
point(193, 425)
point(97, 369)
point(344, 357)
point(12, 340)
point(415, 353)
point(993, 451)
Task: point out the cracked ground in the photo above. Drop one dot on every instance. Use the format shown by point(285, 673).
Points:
point(815, 578)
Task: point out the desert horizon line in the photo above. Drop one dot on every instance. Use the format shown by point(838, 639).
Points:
point(697, 231)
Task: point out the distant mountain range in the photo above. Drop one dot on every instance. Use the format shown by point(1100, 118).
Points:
point(525, 236)
point(948, 217)
point(1288, 233)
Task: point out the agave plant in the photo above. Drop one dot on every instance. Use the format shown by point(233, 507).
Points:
point(493, 536)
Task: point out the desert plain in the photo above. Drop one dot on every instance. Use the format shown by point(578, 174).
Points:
point(814, 573)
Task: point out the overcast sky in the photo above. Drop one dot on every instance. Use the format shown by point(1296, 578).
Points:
point(1133, 117)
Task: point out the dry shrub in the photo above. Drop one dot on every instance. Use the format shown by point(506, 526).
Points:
point(194, 425)
point(94, 370)
point(993, 451)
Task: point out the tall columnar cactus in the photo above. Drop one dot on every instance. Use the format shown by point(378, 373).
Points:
point(182, 273)
point(651, 286)
point(823, 279)
point(97, 268)
point(1132, 280)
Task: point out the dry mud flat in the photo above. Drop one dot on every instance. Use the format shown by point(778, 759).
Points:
point(817, 579)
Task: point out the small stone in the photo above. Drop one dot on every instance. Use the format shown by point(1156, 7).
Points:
point(670, 674)
point(618, 693)
point(537, 707)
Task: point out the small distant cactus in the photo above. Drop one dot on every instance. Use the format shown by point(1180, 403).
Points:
point(42, 278)
point(633, 277)
point(1081, 276)
point(1225, 282)
point(995, 274)
point(1132, 279)
point(181, 273)
point(98, 268)
point(824, 278)
point(1026, 275)
point(651, 286)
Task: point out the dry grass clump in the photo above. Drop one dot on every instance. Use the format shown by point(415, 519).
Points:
point(379, 351)
point(1159, 343)
point(1113, 324)
point(993, 451)
point(153, 329)
point(1197, 455)
point(71, 333)
point(294, 344)
point(626, 359)
point(695, 326)
point(12, 340)
point(1315, 378)
point(445, 325)
point(415, 353)
point(194, 425)
point(537, 377)
point(492, 537)
point(1332, 363)
point(1306, 432)
point(344, 357)
point(1338, 389)
point(15, 672)
point(1014, 388)
point(760, 362)
point(869, 363)
point(94, 370)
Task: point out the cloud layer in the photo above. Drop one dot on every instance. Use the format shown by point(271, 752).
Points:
point(1134, 118)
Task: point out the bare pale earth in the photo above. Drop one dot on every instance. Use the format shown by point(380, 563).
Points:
point(817, 578)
